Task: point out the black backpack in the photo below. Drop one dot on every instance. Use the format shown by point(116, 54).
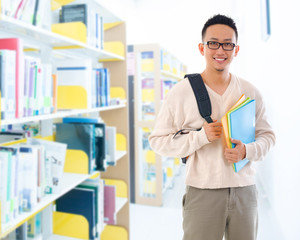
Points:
point(202, 99)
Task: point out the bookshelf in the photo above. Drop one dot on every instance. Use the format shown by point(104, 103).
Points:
point(50, 47)
point(152, 71)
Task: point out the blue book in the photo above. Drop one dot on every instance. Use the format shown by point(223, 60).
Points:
point(80, 120)
point(80, 201)
point(242, 127)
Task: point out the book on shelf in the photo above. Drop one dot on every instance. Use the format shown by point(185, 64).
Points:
point(12, 135)
point(110, 204)
point(55, 154)
point(34, 227)
point(100, 138)
point(29, 158)
point(81, 201)
point(97, 185)
point(78, 137)
point(9, 185)
point(16, 44)
point(111, 133)
point(38, 87)
point(8, 84)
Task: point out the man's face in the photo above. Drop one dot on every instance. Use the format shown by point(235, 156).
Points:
point(219, 59)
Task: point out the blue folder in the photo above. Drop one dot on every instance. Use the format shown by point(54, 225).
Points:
point(242, 127)
point(80, 201)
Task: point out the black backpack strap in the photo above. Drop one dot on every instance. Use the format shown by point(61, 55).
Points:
point(202, 98)
point(201, 95)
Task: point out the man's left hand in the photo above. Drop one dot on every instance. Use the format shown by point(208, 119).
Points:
point(233, 155)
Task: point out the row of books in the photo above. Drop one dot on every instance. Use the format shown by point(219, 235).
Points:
point(29, 11)
point(91, 136)
point(32, 93)
point(32, 229)
point(95, 82)
point(91, 18)
point(171, 64)
point(92, 199)
point(29, 87)
point(28, 173)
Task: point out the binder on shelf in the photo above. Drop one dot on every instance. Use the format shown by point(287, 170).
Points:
point(78, 137)
point(80, 201)
point(100, 138)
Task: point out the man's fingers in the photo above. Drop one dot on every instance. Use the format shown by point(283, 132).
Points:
point(235, 141)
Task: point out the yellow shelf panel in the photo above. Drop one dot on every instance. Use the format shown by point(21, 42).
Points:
point(121, 187)
point(71, 97)
point(73, 30)
point(76, 161)
point(117, 92)
point(115, 47)
point(114, 233)
point(70, 225)
point(111, 25)
point(121, 142)
point(56, 4)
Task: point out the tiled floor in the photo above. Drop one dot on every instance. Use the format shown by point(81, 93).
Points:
point(164, 223)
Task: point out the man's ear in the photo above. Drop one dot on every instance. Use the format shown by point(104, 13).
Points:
point(236, 50)
point(201, 48)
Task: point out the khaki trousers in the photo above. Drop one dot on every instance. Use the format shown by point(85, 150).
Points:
point(208, 214)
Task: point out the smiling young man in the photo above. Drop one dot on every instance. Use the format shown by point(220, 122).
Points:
point(218, 201)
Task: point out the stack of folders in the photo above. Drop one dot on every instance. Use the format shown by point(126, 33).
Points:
point(86, 200)
point(239, 123)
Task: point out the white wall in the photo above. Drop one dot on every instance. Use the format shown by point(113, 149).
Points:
point(272, 66)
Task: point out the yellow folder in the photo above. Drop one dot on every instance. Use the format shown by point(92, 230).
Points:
point(225, 123)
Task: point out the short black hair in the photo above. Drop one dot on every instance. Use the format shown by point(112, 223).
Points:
point(219, 19)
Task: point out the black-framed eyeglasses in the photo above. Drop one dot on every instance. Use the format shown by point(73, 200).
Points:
point(216, 45)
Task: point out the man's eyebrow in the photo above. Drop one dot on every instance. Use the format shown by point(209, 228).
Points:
point(225, 40)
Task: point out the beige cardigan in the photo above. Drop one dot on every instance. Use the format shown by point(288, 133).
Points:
point(206, 166)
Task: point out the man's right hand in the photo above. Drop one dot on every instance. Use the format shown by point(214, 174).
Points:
point(213, 130)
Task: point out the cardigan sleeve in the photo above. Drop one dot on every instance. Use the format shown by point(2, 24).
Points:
point(162, 140)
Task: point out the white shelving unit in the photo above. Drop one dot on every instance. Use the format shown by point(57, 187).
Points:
point(69, 181)
point(155, 71)
point(43, 41)
point(60, 114)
